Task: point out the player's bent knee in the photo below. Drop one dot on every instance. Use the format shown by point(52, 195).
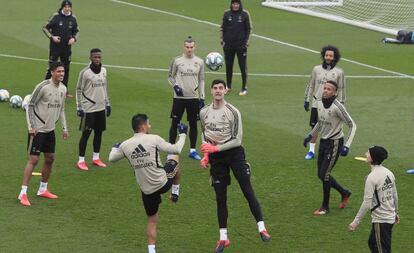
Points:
point(171, 168)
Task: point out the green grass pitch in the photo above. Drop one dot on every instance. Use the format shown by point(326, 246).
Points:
point(101, 210)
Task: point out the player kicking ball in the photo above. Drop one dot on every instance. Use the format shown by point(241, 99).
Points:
point(142, 152)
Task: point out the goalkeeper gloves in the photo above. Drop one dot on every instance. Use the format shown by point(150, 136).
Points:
point(209, 148)
point(204, 162)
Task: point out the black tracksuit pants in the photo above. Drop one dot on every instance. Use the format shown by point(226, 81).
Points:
point(229, 55)
point(62, 53)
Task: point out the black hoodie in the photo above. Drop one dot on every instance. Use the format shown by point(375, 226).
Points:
point(65, 27)
point(236, 27)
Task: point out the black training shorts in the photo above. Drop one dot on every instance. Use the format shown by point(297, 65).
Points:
point(192, 106)
point(93, 121)
point(41, 142)
point(152, 201)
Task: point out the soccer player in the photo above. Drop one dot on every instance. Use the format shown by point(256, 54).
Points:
point(46, 106)
point(331, 116)
point(93, 106)
point(186, 76)
point(142, 152)
point(381, 198)
point(328, 70)
point(236, 29)
point(222, 137)
point(62, 31)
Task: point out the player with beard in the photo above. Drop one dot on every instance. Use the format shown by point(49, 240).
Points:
point(328, 70)
point(331, 116)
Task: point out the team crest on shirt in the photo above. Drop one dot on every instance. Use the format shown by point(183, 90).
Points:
point(230, 19)
point(239, 19)
point(70, 24)
point(333, 76)
point(223, 117)
point(60, 23)
point(61, 94)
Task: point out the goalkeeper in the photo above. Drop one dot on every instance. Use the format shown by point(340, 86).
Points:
point(142, 151)
point(222, 127)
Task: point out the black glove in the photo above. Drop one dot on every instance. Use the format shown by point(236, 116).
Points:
point(344, 151)
point(182, 128)
point(306, 106)
point(80, 113)
point(108, 110)
point(201, 103)
point(307, 140)
point(178, 90)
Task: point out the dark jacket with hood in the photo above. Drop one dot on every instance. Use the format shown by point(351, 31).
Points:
point(66, 27)
point(236, 27)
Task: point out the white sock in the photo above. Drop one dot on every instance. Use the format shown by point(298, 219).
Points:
point(95, 156)
point(175, 189)
point(193, 150)
point(151, 248)
point(42, 187)
point(81, 159)
point(23, 190)
point(261, 226)
point(312, 147)
point(223, 234)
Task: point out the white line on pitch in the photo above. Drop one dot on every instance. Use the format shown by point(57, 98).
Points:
point(259, 36)
point(209, 72)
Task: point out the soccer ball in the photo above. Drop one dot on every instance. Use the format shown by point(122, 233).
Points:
point(214, 61)
point(4, 95)
point(26, 101)
point(16, 101)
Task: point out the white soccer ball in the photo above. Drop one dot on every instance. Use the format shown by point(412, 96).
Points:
point(214, 61)
point(15, 101)
point(26, 101)
point(4, 95)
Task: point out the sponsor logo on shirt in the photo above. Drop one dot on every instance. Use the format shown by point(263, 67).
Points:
point(56, 105)
point(139, 152)
point(388, 184)
point(213, 127)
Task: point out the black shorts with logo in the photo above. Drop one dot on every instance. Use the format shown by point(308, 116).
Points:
point(222, 162)
point(313, 117)
point(152, 201)
point(41, 142)
point(93, 121)
point(192, 106)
